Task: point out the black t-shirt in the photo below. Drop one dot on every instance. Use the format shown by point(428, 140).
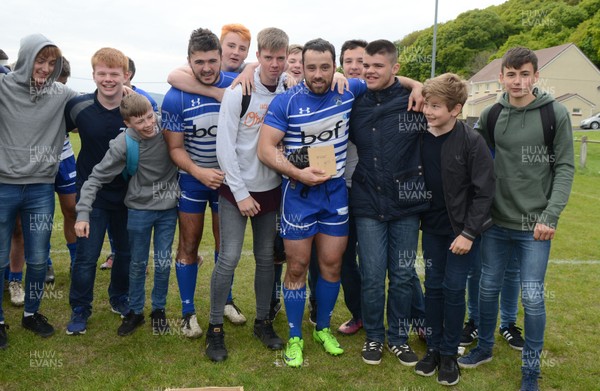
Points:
point(435, 220)
point(97, 126)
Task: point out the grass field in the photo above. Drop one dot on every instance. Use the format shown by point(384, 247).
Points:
point(102, 360)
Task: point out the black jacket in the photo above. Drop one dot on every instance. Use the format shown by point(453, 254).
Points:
point(388, 181)
point(468, 181)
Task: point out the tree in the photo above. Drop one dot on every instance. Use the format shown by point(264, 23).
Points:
point(475, 37)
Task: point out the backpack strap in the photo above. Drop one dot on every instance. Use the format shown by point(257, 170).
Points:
point(492, 118)
point(549, 126)
point(133, 156)
point(245, 103)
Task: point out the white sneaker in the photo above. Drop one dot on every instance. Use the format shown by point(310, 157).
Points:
point(190, 327)
point(233, 314)
point(17, 294)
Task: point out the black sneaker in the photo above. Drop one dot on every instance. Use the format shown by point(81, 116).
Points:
point(312, 306)
point(448, 373)
point(428, 364)
point(263, 330)
point(159, 322)
point(404, 353)
point(3, 336)
point(529, 382)
point(215, 343)
point(469, 334)
point(38, 323)
point(131, 321)
point(274, 309)
point(512, 335)
point(50, 277)
point(372, 352)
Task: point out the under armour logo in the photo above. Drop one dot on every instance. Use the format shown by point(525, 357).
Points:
point(304, 111)
point(195, 102)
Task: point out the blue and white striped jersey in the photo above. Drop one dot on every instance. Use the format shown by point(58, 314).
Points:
point(310, 119)
point(197, 116)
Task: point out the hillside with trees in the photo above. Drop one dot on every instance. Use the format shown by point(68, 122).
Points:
point(469, 42)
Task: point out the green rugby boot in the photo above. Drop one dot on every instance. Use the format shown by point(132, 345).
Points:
point(326, 338)
point(293, 352)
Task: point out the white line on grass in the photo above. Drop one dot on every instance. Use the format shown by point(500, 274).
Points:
point(554, 261)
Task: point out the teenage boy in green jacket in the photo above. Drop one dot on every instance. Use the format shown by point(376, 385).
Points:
point(534, 175)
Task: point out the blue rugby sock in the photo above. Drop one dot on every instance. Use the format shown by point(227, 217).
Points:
point(326, 295)
point(294, 300)
point(186, 279)
point(72, 251)
point(17, 276)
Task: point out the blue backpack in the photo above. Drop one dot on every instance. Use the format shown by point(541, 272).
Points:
point(133, 157)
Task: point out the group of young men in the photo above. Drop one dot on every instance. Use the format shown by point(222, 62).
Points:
point(391, 171)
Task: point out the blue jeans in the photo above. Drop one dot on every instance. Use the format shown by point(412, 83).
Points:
point(233, 228)
point(35, 204)
point(499, 245)
point(139, 225)
point(387, 248)
point(88, 251)
point(509, 296)
point(445, 284)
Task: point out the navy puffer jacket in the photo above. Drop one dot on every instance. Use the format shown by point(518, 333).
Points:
point(388, 182)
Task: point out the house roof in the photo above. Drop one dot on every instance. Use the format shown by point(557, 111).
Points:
point(564, 97)
point(481, 99)
point(490, 71)
point(3, 56)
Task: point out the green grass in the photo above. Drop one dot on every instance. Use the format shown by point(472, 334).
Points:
point(592, 166)
point(102, 360)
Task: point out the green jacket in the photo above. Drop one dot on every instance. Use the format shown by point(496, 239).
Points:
point(529, 189)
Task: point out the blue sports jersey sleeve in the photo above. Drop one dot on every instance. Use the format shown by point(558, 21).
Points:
point(172, 111)
point(277, 116)
point(357, 86)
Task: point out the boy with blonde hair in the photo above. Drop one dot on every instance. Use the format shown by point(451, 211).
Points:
point(459, 177)
point(251, 190)
point(151, 202)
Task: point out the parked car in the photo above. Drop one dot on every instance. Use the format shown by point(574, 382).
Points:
point(591, 123)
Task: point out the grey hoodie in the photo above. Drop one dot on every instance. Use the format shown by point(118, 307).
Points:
point(154, 185)
point(32, 124)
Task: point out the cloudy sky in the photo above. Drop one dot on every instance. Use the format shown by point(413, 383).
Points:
point(155, 34)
